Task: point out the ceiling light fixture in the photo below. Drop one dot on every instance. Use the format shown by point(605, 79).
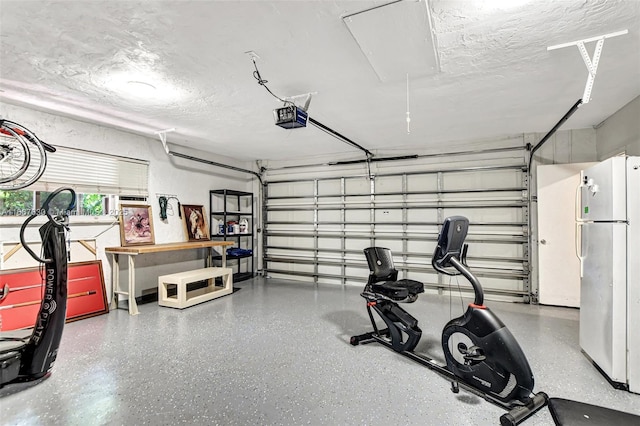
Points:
point(140, 88)
point(503, 4)
point(144, 86)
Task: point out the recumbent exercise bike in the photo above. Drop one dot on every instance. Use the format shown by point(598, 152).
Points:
point(481, 354)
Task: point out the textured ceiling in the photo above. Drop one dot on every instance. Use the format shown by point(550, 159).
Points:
point(496, 76)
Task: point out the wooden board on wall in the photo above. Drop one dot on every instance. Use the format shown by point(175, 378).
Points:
point(22, 287)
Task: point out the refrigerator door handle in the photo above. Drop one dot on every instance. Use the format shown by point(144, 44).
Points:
point(578, 204)
point(579, 222)
point(579, 253)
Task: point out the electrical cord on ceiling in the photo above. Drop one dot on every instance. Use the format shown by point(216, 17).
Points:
point(262, 82)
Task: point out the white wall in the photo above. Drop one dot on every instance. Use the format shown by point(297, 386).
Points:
point(620, 132)
point(190, 181)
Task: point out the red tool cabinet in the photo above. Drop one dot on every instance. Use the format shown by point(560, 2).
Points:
point(21, 293)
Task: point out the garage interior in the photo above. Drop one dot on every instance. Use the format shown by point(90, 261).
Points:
point(408, 112)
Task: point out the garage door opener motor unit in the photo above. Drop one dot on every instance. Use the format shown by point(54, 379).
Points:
point(290, 117)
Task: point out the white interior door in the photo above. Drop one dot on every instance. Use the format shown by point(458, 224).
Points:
point(558, 265)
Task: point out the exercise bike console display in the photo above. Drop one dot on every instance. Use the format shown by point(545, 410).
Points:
point(451, 242)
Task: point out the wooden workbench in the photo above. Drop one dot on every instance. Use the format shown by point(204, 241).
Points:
point(132, 251)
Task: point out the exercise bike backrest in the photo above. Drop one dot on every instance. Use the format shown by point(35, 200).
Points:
point(381, 265)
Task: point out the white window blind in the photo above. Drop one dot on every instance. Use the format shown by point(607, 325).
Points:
point(94, 173)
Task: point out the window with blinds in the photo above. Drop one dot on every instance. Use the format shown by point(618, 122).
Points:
point(100, 181)
point(92, 172)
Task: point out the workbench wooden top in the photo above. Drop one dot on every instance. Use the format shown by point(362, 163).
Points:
point(156, 248)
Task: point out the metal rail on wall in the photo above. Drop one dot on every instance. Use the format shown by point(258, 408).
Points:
point(162, 134)
point(403, 157)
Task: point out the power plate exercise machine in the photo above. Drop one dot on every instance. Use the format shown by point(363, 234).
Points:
point(481, 354)
point(27, 355)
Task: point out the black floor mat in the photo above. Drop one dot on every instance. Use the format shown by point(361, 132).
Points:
point(574, 413)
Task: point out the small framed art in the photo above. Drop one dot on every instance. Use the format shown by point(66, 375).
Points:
point(136, 225)
point(195, 223)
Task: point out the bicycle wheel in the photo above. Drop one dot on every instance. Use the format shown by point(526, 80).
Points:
point(14, 155)
point(25, 156)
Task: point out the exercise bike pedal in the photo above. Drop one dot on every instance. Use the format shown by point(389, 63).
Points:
point(474, 359)
point(473, 355)
point(455, 387)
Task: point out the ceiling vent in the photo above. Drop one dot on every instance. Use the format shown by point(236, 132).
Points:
point(397, 39)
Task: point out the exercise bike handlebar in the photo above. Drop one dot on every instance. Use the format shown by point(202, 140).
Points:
point(477, 288)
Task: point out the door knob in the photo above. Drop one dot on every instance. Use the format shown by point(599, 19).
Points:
point(543, 241)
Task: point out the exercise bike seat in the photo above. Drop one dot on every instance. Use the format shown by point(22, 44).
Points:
point(399, 290)
point(383, 277)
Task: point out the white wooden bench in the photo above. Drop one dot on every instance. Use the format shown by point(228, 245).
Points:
point(183, 298)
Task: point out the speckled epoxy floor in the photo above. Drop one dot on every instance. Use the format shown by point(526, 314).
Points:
point(277, 353)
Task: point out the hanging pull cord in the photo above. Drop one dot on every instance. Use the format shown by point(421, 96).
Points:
point(408, 112)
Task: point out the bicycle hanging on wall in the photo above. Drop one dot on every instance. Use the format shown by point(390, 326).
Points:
point(23, 157)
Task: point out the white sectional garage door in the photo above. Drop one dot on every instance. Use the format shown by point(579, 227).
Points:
point(317, 224)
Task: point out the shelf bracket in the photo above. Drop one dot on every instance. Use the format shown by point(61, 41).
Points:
point(590, 63)
point(162, 134)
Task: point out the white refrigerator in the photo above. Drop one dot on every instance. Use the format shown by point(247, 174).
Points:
point(609, 250)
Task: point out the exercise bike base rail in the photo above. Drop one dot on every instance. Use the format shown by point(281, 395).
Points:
point(517, 414)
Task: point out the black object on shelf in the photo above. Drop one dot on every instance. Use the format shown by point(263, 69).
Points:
point(233, 212)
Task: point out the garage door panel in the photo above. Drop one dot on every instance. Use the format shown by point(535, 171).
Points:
point(329, 186)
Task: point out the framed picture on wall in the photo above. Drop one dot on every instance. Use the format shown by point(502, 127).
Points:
point(195, 224)
point(136, 225)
